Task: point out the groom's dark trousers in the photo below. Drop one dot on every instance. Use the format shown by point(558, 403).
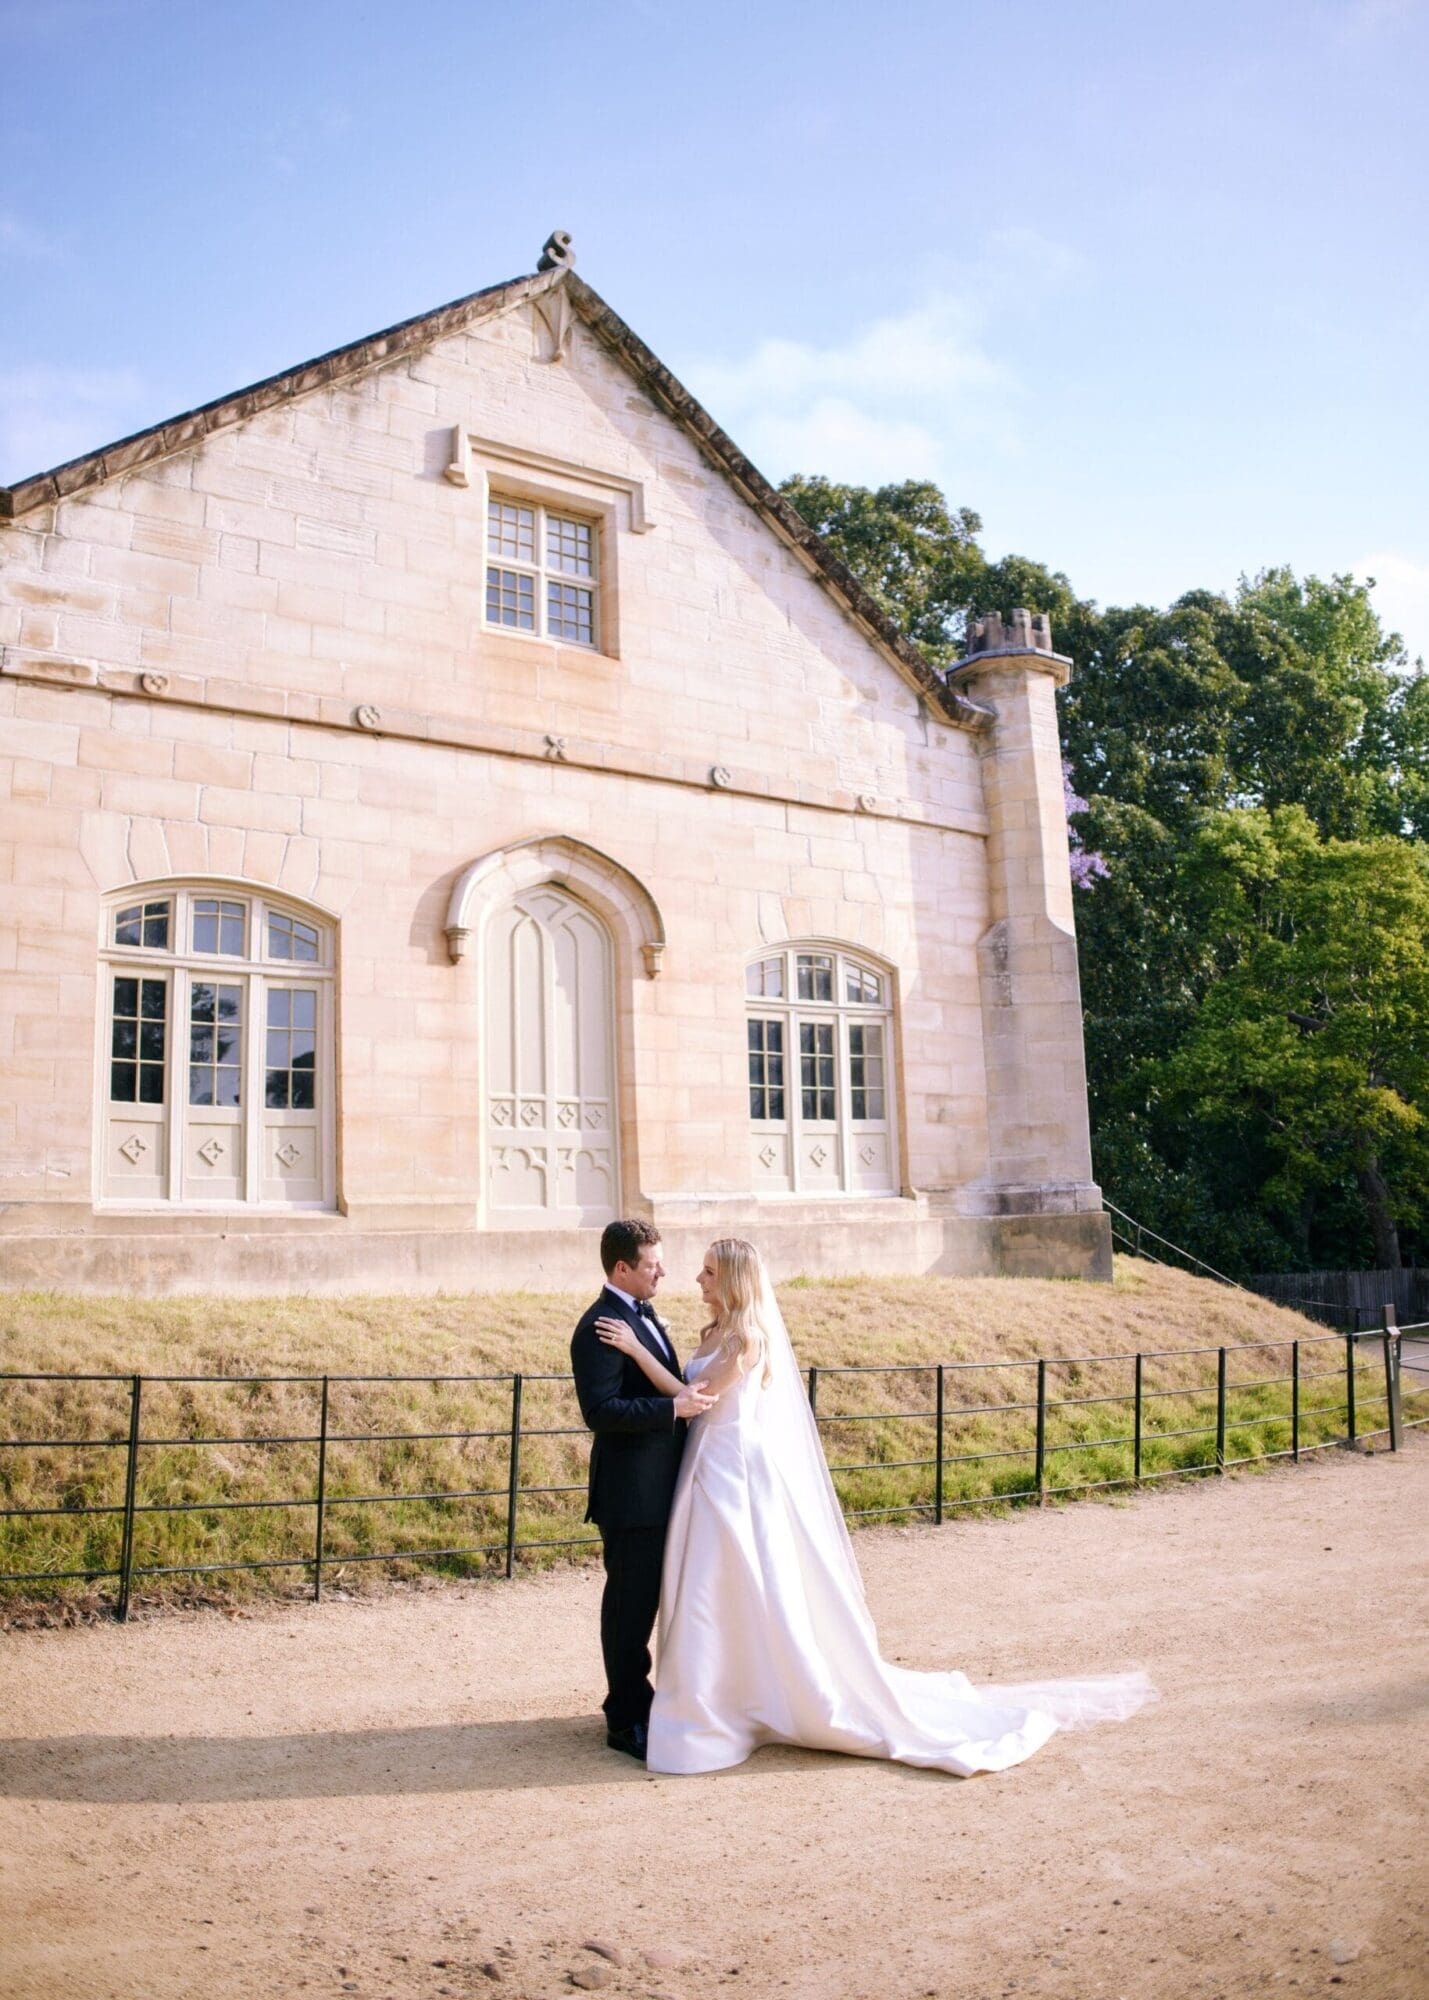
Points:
point(635, 1455)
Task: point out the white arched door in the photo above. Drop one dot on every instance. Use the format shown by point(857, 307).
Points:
point(550, 1066)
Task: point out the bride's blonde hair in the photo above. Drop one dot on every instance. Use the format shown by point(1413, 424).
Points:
point(739, 1286)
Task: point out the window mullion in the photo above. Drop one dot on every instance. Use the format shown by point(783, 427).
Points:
point(178, 1090)
point(325, 1082)
point(254, 998)
point(843, 1087)
point(796, 1106)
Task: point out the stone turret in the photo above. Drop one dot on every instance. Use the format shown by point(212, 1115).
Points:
point(1039, 1148)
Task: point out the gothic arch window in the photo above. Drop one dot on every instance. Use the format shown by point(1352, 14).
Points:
point(820, 1051)
point(216, 1049)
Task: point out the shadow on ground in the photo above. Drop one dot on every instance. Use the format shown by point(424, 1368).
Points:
point(557, 1751)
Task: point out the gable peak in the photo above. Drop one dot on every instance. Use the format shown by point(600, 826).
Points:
point(557, 252)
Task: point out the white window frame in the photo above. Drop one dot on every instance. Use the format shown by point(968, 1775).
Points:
point(257, 973)
point(539, 570)
point(843, 1013)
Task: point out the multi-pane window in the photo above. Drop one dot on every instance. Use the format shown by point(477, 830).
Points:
point(827, 1126)
point(215, 1043)
point(138, 1040)
point(217, 1051)
point(218, 926)
point(542, 572)
point(145, 924)
point(816, 1071)
point(815, 975)
point(765, 979)
point(288, 938)
point(862, 986)
point(865, 1069)
point(292, 1048)
point(766, 1069)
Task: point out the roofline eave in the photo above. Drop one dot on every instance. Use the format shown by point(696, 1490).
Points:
point(339, 364)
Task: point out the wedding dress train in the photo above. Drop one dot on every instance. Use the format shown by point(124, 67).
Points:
point(764, 1633)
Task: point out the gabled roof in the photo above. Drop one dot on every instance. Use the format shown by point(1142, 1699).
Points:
point(177, 433)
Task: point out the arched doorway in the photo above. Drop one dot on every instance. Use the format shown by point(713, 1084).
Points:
point(551, 1143)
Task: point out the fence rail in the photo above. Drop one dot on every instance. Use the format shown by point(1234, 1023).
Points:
point(1364, 1367)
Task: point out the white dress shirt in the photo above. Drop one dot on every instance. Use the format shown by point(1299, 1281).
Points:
point(643, 1309)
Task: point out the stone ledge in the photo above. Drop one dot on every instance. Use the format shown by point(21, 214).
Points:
point(333, 1261)
point(213, 694)
point(1009, 1198)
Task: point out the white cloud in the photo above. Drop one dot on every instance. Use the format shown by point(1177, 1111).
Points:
point(1401, 596)
point(888, 402)
point(1364, 18)
point(1021, 256)
point(835, 437)
point(48, 415)
point(18, 239)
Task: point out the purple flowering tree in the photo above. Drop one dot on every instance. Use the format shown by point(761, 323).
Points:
point(1086, 865)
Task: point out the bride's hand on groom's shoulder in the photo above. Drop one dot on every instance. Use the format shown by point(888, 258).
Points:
point(615, 1333)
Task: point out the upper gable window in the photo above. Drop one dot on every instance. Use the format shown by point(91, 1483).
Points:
point(542, 572)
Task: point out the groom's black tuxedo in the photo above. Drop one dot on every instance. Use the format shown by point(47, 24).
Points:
point(638, 1439)
point(635, 1455)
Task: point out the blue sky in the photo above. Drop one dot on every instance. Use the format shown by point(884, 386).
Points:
point(1145, 284)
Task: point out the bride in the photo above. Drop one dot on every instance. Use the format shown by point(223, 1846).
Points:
point(764, 1633)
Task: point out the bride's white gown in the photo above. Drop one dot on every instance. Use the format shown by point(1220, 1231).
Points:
point(765, 1636)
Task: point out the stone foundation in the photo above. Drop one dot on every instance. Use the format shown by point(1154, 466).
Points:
point(330, 1256)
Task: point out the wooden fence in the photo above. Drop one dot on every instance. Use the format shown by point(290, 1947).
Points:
point(1351, 1299)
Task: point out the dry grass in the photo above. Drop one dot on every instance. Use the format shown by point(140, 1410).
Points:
point(831, 1322)
point(989, 1332)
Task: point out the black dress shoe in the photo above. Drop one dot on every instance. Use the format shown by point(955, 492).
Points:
point(631, 1741)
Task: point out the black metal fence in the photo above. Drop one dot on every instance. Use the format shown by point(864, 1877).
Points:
point(1366, 1364)
point(1137, 1240)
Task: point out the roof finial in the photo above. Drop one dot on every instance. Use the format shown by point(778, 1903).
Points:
point(556, 252)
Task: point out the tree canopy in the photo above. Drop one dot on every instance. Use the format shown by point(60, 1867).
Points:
point(1253, 771)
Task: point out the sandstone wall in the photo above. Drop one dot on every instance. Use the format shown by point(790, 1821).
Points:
point(190, 654)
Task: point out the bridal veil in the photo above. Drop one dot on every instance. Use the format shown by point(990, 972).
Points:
point(765, 1635)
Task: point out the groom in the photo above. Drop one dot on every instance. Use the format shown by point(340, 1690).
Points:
point(633, 1462)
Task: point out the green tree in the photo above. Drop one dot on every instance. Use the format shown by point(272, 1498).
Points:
point(916, 556)
point(1312, 1038)
point(1287, 694)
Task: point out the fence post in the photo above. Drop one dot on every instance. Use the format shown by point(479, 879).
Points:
point(1390, 1337)
point(514, 1475)
point(938, 1501)
point(1295, 1401)
point(1353, 1425)
point(1136, 1428)
point(322, 1498)
point(1041, 1433)
point(814, 1390)
point(131, 1475)
point(1220, 1410)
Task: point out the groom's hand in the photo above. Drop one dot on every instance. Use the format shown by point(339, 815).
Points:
point(692, 1401)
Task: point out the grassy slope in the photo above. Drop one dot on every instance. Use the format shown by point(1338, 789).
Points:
point(830, 1322)
point(971, 1323)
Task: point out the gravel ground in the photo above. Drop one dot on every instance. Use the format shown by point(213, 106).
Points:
point(411, 1796)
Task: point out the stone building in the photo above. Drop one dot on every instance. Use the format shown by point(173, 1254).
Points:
point(453, 799)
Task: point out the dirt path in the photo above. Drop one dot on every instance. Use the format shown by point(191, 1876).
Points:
point(378, 1798)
